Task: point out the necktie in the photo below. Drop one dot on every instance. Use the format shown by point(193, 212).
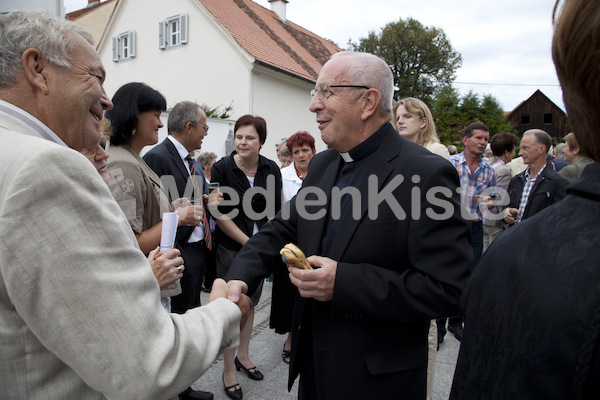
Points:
point(198, 195)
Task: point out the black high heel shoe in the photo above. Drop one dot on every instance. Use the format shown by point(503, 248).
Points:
point(235, 394)
point(253, 372)
point(286, 355)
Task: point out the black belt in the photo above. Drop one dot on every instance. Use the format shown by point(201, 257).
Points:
point(200, 243)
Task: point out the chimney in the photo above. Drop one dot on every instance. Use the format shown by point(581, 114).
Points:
point(278, 7)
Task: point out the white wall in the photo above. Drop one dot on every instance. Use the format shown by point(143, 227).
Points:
point(208, 69)
point(215, 140)
point(283, 102)
point(211, 69)
point(54, 7)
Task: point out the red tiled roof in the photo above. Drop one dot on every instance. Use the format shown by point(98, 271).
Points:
point(282, 45)
point(78, 13)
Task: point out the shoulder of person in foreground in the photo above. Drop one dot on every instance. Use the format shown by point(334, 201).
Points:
point(75, 269)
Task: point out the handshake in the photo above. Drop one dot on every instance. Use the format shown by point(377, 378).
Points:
point(168, 267)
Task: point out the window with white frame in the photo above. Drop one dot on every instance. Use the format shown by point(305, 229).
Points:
point(173, 31)
point(123, 46)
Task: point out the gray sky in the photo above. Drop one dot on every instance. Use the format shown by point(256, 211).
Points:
point(505, 45)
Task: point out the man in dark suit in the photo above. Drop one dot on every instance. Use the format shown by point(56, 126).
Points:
point(532, 307)
point(387, 259)
point(172, 161)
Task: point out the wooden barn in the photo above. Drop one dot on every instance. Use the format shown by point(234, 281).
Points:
point(538, 111)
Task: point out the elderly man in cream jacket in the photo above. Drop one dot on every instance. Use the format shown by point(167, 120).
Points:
point(80, 310)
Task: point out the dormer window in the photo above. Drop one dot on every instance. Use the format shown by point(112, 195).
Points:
point(173, 31)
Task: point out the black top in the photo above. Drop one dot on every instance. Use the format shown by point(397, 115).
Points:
point(350, 175)
point(233, 180)
point(548, 189)
point(532, 307)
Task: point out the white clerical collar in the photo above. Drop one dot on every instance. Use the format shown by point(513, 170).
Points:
point(37, 127)
point(347, 158)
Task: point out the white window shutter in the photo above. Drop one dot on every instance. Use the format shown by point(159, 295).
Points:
point(131, 44)
point(115, 48)
point(183, 28)
point(162, 35)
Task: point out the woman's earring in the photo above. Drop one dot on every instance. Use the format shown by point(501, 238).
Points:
point(133, 132)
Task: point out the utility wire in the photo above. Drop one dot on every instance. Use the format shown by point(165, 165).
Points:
point(503, 84)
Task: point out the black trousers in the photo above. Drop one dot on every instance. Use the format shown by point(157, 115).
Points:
point(477, 245)
point(191, 282)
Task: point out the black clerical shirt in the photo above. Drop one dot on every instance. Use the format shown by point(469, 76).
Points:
point(355, 166)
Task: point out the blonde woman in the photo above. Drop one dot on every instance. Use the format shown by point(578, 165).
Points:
point(414, 122)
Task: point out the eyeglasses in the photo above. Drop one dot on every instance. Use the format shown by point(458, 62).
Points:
point(205, 127)
point(324, 92)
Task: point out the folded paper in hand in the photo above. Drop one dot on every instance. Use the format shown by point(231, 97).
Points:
point(167, 240)
point(169, 230)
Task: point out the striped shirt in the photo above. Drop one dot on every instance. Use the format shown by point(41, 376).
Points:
point(529, 182)
point(471, 187)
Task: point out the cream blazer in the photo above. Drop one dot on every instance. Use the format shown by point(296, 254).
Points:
point(80, 311)
point(439, 149)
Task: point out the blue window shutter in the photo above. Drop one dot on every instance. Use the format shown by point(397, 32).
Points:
point(183, 27)
point(115, 48)
point(131, 44)
point(162, 37)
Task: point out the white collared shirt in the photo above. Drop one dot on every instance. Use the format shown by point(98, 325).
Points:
point(529, 182)
point(37, 127)
point(198, 233)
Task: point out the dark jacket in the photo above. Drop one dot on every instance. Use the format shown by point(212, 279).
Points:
point(228, 175)
point(168, 165)
point(394, 273)
point(532, 307)
point(548, 189)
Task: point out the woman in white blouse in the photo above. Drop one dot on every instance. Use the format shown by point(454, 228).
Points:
point(302, 147)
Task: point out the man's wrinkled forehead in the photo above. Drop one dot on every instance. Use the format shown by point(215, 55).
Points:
point(334, 71)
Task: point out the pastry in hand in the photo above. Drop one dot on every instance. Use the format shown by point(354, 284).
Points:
point(294, 257)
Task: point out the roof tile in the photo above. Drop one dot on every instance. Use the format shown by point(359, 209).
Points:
point(283, 45)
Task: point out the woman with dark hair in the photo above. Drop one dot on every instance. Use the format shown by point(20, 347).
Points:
point(302, 148)
point(244, 169)
point(135, 121)
point(503, 147)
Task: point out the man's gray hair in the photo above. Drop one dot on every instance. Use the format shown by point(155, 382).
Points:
point(372, 71)
point(541, 137)
point(181, 114)
point(22, 30)
point(559, 150)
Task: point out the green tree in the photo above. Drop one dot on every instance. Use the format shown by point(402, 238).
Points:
point(493, 116)
point(452, 114)
point(470, 108)
point(421, 58)
point(215, 112)
point(446, 113)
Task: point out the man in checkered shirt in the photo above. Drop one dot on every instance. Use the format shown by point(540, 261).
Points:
point(476, 176)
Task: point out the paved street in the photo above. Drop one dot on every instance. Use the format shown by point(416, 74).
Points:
point(265, 351)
